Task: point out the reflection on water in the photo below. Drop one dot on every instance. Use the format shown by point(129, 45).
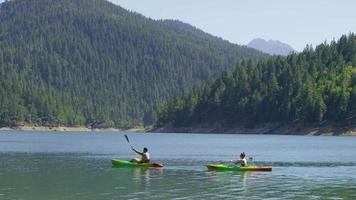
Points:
point(242, 182)
point(142, 176)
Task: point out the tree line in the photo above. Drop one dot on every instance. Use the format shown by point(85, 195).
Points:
point(316, 85)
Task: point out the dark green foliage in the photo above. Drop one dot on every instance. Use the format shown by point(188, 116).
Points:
point(72, 62)
point(312, 86)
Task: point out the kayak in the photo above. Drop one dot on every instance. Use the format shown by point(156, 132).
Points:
point(129, 164)
point(222, 167)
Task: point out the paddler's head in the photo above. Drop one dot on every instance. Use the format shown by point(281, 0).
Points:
point(242, 155)
point(145, 150)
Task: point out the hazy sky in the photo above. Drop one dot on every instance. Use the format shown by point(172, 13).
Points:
point(296, 22)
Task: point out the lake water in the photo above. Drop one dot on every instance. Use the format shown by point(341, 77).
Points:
point(68, 166)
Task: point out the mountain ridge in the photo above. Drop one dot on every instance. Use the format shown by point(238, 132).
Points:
point(84, 62)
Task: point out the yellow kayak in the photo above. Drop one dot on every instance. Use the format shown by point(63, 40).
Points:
point(222, 167)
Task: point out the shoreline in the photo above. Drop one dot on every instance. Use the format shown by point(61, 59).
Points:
point(265, 129)
point(348, 129)
point(70, 129)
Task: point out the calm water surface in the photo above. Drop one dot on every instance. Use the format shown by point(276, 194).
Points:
point(66, 166)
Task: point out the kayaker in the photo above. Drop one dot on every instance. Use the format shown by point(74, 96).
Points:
point(243, 160)
point(145, 156)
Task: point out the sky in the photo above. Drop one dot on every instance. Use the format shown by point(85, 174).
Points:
point(295, 22)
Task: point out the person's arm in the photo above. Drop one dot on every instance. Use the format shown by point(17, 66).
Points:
point(238, 161)
point(139, 153)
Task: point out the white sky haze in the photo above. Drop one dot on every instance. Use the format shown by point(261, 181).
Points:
point(296, 22)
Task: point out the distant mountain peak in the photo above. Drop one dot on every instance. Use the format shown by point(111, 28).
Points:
point(272, 47)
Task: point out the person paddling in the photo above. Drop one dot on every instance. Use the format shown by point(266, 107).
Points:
point(145, 156)
point(243, 160)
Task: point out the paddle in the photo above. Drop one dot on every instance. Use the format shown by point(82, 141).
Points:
point(233, 161)
point(128, 141)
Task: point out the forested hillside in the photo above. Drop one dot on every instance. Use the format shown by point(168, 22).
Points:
point(313, 86)
point(76, 62)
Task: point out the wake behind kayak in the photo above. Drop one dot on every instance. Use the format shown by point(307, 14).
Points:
point(129, 164)
point(222, 167)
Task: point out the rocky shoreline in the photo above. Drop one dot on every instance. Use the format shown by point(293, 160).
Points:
point(343, 129)
point(334, 129)
point(68, 129)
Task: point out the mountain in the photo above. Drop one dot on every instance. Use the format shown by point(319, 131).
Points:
point(272, 47)
point(316, 86)
point(77, 62)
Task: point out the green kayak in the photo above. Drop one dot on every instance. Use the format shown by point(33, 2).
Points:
point(129, 164)
point(222, 167)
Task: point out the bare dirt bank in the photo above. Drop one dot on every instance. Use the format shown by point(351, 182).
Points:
point(67, 129)
point(335, 129)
